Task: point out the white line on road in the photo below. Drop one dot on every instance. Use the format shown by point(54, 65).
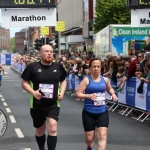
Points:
point(1, 96)
point(5, 104)
point(6, 73)
point(19, 133)
point(2, 99)
point(23, 91)
point(27, 149)
point(8, 110)
point(12, 119)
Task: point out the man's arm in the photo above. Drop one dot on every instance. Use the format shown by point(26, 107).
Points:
point(25, 85)
point(63, 85)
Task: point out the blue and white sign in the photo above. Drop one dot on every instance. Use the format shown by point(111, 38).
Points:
point(130, 91)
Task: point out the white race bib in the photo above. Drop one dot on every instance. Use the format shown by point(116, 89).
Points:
point(101, 99)
point(47, 89)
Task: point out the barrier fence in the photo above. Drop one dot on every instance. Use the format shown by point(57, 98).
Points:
point(6, 59)
point(128, 97)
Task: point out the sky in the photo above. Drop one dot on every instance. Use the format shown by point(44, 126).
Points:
point(12, 30)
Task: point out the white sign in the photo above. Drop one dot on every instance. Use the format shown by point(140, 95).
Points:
point(28, 17)
point(3, 123)
point(140, 18)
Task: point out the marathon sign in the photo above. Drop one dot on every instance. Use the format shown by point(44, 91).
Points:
point(28, 17)
point(140, 18)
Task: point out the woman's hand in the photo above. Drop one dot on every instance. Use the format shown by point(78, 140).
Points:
point(138, 74)
point(114, 97)
point(93, 97)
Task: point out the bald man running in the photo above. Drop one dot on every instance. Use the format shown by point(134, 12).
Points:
point(41, 80)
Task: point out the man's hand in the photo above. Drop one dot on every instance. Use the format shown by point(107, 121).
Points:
point(60, 96)
point(37, 94)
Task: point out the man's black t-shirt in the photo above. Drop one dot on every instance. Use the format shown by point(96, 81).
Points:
point(47, 79)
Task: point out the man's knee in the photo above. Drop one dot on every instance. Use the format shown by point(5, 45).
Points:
point(52, 126)
point(41, 130)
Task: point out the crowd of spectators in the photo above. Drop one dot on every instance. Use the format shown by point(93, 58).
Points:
point(114, 67)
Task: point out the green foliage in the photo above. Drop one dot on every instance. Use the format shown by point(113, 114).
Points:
point(12, 45)
point(110, 12)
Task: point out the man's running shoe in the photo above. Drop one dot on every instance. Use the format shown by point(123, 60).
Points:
point(89, 148)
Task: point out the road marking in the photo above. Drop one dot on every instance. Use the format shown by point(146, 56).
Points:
point(23, 91)
point(2, 99)
point(27, 149)
point(19, 133)
point(1, 96)
point(8, 110)
point(12, 119)
point(5, 72)
point(5, 104)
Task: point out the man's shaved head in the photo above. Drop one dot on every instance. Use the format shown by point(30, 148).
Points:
point(46, 54)
point(46, 47)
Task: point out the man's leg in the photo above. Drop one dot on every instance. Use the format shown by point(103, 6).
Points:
point(40, 136)
point(52, 133)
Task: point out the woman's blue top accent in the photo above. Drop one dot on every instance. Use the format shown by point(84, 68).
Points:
point(95, 87)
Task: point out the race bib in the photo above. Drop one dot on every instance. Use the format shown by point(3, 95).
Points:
point(47, 89)
point(101, 99)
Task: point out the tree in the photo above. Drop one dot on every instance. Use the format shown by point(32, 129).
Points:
point(12, 45)
point(110, 12)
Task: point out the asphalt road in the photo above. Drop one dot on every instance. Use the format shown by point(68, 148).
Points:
point(124, 133)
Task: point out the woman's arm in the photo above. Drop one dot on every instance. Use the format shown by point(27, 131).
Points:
point(82, 87)
point(110, 90)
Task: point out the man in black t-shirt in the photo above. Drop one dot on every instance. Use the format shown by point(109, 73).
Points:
point(41, 80)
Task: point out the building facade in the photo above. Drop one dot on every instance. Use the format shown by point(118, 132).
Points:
point(78, 18)
point(4, 39)
point(20, 38)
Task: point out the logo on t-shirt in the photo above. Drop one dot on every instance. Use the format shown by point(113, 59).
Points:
point(103, 86)
point(39, 70)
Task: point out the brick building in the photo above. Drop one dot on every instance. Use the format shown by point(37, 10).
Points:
point(20, 37)
point(4, 39)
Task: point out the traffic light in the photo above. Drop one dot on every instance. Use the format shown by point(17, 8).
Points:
point(56, 40)
point(49, 41)
point(38, 43)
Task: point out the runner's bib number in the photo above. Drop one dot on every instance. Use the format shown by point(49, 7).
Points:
point(47, 89)
point(101, 99)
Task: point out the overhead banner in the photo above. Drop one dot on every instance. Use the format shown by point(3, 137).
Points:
point(140, 17)
point(28, 17)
